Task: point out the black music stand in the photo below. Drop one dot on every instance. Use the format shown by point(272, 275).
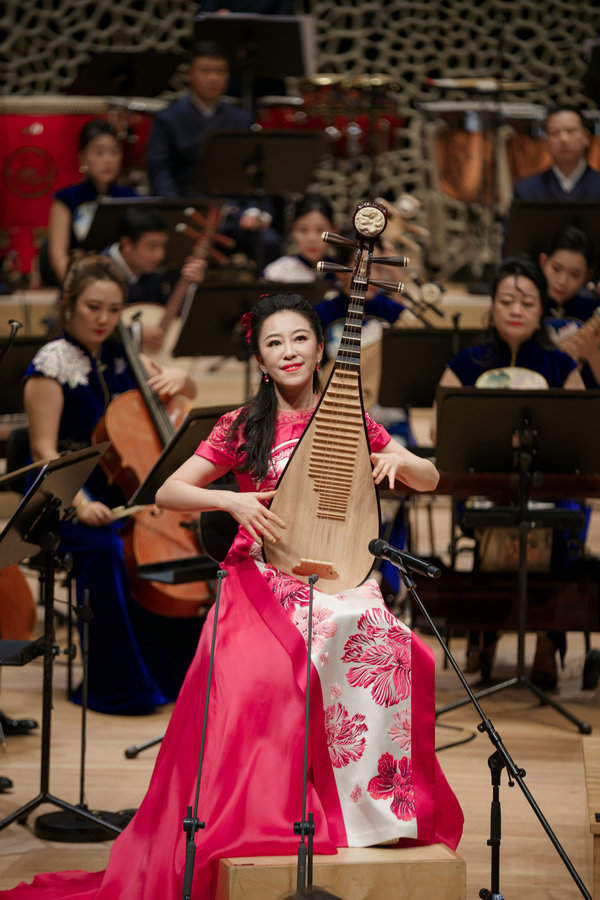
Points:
point(531, 226)
point(35, 526)
point(528, 431)
point(257, 163)
point(104, 229)
point(413, 360)
point(135, 73)
point(261, 46)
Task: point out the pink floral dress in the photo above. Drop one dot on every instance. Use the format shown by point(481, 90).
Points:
point(373, 774)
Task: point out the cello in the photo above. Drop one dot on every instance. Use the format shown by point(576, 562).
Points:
point(326, 494)
point(139, 426)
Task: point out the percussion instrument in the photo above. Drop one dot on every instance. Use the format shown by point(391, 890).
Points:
point(480, 148)
point(357, 116)
point(132, 121)
point(39, 141)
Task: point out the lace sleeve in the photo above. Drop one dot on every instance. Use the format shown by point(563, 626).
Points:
point(62, 361)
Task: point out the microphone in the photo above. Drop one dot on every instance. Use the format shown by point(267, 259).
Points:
point(399, 558)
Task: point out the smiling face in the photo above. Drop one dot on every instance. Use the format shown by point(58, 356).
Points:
point(566, 272)
point(288, 354)
point(96, 313)
point(516, 310)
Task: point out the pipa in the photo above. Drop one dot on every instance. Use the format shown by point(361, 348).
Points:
point(326, 494)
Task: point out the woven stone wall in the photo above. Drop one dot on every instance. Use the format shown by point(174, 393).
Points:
point(44, 43)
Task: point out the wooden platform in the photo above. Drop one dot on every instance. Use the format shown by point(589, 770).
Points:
point(371, 873)
point(591, 757)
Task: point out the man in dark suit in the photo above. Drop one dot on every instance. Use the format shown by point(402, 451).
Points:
point(570, 177)
point(177, 136)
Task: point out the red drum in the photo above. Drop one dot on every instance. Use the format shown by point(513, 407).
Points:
point(356, 116)
point(39, 141)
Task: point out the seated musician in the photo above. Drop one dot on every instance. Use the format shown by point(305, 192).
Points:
point(177, 136)
point(72, 208)
point(136, 660)
point(568, 265)
point(570, 177)
point(516, 352)
point(139, 254)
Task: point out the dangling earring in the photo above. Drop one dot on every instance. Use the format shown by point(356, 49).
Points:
point(68, 316)
point(265, 377)
point(83, 169)
point(318, 365)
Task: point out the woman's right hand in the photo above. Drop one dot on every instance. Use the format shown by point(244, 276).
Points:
point(93, 513)
point(247, 509)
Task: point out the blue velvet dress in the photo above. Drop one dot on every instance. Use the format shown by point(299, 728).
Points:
point(137, 660)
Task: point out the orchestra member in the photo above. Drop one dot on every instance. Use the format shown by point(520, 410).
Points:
point(68, 386)
point(177, 136)
point(139, 254)
point(516, 351)
point(73, 207)
point(569, 177)
point(568, 266)
point(372, 770)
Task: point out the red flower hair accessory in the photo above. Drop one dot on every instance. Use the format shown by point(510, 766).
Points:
point(246, 321)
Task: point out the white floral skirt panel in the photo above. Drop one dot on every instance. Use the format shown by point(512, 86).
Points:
point(362, 654)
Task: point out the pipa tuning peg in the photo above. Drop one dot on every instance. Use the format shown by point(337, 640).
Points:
point(323, 266)
point(329, 237)
point(395, 287)
point(391, 260)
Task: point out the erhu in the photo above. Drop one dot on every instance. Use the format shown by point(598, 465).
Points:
point(326, 494)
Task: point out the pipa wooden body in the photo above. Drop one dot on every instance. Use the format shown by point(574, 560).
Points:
point(326, 494)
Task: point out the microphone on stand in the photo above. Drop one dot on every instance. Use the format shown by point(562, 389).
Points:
point(383, 550)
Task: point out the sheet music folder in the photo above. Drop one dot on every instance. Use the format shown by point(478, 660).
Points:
point(475, 428)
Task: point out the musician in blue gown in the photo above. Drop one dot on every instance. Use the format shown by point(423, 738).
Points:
point(517, 352)
point(137, 660)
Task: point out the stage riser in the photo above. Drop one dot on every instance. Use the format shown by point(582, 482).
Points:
point(371, 873)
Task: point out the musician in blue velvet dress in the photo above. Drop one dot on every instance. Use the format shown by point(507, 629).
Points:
point(137, 660)
point(517, 352)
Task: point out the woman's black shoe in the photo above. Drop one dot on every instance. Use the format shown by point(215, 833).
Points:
point(591, 670)
point(16, 726)
point(5, 784)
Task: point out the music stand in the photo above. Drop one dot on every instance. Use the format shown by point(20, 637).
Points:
point(532, 432)
point(413, 360)
point(257, 163)
point(34, 526)
point(196, 426)
point(531, 226)
point(104, 229)
point(135, 73)
point(260, 46)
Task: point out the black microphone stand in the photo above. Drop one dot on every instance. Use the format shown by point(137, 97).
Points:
point(192, 823)
point(306, 827)
point(496, 762)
